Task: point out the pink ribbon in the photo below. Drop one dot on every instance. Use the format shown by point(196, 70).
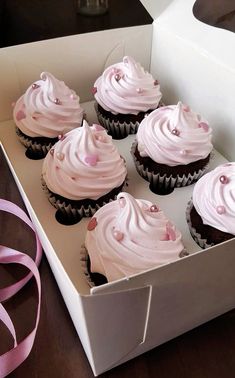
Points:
point(10, 360)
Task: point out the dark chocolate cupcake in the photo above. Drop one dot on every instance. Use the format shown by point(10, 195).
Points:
point(82, 172)
point(124, 94)
point(211, 213)
point(172, 148)
point(47, 110)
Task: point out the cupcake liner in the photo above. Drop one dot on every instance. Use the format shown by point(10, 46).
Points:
point(84, 265)
point(164, 182)
point(195, 235)
point(73, 214)
point(33, 145)
point(118, 130)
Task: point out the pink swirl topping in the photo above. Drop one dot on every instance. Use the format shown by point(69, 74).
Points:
point(47, 108)
point(130, 236)
point(174, 135)
point(126, 88)
point(214, 198)
point(84, 164)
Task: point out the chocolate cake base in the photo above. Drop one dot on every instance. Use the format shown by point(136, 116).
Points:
point(36, 148)
point(70, 212)
point(206, 232)
point(178, 170)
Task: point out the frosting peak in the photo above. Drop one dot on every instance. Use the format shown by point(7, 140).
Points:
point(131, 236)
point(174, 135)
point(49, 107)
point(126, 88)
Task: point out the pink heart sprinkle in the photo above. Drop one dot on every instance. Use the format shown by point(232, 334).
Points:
point(186, 108)
point(204, 126)
point(171, 233)
point(92, 224)
point(98, 127)
point(91, 159)
point(20, 115)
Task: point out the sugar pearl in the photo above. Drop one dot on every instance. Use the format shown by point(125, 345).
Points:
point(60, 156)
point(220, 210)
point(118, 235)
point(57, 101)
point(35, 86)
point(175, 132)
point(154, 209)
point(52, 151)
point(224, 179)
point(117, 77)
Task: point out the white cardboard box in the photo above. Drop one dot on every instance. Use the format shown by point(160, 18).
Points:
point(120, 320)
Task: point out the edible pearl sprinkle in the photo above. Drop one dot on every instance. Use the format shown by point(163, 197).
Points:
point(52, 151)
point(139, 90)
point(117, 77)
point(94, 90)
point(60, 156)
point(175, 132)
point(35, 86)
point(220, 210)
point(154, 209)
point(118, 235)
point(223, 179)
point(57, 101)
point(61, 137)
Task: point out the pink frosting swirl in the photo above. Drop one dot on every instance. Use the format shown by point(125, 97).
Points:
point(131, 236)
point(126, 88)
point(48, 108)
point(174, 135)
point(214, 198)
point(84, 163)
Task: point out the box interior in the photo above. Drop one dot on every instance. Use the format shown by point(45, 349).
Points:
point(185, 55)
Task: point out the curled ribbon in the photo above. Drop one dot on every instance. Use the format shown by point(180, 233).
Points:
point(10, 360)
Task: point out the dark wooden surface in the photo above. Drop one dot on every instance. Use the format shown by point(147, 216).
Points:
point(205, 352)
point(24, 21)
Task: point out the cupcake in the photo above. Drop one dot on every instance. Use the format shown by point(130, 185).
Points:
point(211, 213)
point(82, 172)
point(129, 236)
point(124, 94)
point(172, 148)
point(46, 110)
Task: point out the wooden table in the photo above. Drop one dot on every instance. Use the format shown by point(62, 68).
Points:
point(205, 352)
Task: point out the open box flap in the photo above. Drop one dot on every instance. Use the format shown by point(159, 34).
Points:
point(155, 7)
point(194, 63)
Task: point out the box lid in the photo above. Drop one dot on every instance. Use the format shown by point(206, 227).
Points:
point(155, 8)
